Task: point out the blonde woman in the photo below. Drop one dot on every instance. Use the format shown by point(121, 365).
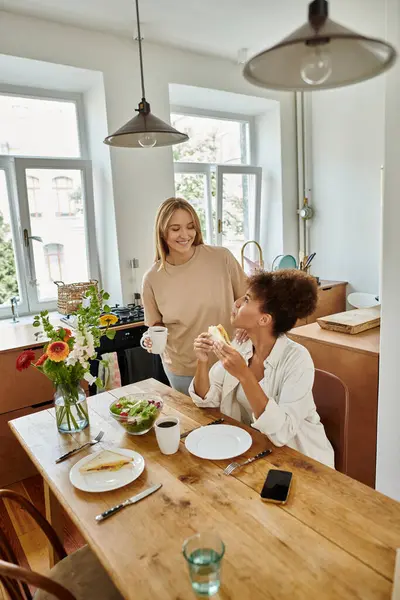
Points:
point(190, 287)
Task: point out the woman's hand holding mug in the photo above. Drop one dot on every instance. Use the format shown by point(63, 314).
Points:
point(154, 339)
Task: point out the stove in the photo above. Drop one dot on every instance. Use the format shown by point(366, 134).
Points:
point(126, 315)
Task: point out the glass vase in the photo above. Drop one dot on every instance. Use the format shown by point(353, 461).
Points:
point(71, 408)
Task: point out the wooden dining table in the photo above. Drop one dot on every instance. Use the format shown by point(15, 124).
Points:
point(335, 537)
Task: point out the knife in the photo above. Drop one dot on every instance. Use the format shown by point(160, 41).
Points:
point(132, 500)
point(217, 422)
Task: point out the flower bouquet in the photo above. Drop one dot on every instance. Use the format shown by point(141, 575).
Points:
point(66, 357)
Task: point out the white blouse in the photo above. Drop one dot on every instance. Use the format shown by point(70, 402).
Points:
point(290, 417)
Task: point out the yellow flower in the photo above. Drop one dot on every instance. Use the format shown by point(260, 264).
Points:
point(107, 320)
point(57, 351)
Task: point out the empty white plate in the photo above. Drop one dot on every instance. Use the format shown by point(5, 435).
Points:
point(218, 442)
point(105, 481)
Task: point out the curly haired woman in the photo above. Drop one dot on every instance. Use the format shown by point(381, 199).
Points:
point(267, 382)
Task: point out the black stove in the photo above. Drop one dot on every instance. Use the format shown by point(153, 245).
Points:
point(127, 314)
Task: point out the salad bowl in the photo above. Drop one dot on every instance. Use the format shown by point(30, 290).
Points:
point(136, 413)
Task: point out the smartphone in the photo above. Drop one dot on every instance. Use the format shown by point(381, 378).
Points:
point(277, 486)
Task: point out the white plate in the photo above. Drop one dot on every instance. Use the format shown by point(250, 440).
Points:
point(218, 442)
point(104, 481)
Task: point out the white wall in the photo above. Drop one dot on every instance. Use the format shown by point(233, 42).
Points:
point(348, 150)
point(143, 179)
point(106, 230)
point(269, 157)
point(388, 452)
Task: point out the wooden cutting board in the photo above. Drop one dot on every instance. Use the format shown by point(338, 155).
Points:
point(352, 321)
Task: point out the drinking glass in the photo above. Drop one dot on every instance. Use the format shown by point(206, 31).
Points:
point(204, 552)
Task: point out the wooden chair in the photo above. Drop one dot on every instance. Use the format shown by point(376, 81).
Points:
point(331, 397)
point(78, 576)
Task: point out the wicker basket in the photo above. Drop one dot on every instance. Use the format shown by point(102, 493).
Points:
point(70, 295)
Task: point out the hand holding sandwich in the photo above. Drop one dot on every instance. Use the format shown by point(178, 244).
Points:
point(231, 360)
point(203, 346)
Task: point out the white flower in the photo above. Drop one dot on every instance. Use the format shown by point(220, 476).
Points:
point(89, 378)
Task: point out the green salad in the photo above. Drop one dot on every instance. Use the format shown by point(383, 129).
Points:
point(136, 414)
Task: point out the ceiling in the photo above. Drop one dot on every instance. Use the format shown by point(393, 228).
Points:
point(216, 27)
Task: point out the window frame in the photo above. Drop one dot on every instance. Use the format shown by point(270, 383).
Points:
point(214, 230)
point(85, 166)
point(223, 116)
point(60, 96)
point(14, 167)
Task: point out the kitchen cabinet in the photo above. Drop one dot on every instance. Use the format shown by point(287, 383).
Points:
point(21, 393)
point(355, 360)
point(21, 389)
point(331, 300)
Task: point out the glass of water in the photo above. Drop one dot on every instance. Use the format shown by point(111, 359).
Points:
point(204, 552)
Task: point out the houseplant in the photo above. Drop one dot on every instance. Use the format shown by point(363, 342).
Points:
point(66, 357)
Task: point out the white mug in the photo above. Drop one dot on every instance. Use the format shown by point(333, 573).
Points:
point(158, 336)
point(168, 434)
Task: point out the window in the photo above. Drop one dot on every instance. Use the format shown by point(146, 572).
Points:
point(38, 127)
point(63, 190)
point(46, 201)
point(213, 172)
point(33, 188)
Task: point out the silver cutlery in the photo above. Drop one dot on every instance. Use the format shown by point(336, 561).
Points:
point(96, 440)
point(132, 500)
point(230, 468)
point(217, 422)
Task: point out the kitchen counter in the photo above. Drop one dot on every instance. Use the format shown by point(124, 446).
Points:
point(355, 360)
point(22, 335)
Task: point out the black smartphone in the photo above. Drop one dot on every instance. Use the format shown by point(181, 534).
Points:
point(276, 487)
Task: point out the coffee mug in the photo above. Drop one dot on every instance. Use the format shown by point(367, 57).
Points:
point(158, 336)
point(168, 434)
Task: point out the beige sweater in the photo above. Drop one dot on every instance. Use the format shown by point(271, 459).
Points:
point(189, 298)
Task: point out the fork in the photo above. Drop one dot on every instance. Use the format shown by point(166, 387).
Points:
point(96, 440)
point(230, 468)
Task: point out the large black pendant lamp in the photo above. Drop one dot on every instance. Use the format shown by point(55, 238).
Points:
point(320, 55)
point(144, 130)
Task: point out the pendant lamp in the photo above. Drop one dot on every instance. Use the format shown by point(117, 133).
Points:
point(144, 130)
point(320, 55)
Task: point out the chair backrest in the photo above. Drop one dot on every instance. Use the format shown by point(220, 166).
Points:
point(15, 578)
point(331, 397)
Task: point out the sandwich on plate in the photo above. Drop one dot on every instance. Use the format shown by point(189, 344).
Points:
point(107, 460)
point(218, 334)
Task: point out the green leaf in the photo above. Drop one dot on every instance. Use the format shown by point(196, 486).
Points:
point(36, 324)
point(111, 334)
point(99, 383)
point(106, 308)
point(106, 296)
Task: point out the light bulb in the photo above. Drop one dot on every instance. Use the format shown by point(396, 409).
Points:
point(147, 140)
point(316, 66)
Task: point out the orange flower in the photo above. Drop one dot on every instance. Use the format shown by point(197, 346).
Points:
point(107, 320)
point(41, 360)
point(57, 351)
point(68, 333)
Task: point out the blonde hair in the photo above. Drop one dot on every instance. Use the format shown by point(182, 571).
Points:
point(164, 215)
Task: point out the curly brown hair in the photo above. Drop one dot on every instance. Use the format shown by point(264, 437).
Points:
point(286, 295)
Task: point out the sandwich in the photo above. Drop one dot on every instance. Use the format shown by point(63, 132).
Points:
point(107, 460)
point(218, 334)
